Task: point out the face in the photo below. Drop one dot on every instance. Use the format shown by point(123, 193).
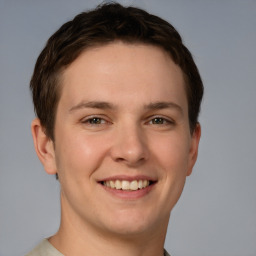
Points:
point(123, 146)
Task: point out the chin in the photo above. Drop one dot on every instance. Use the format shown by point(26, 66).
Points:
point(133, 224)
point(128, 231)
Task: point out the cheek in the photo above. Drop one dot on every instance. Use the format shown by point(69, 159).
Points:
point(77, 160)
point(172, 153)
point(79, 154)
point(171, 156)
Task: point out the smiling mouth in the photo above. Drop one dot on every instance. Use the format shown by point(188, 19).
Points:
point(127, 185)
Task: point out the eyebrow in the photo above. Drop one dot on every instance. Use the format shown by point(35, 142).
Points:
point(93, 104)
point(163, 105)
point(106, 105)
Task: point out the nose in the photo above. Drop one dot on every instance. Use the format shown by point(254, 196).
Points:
point(130, 146)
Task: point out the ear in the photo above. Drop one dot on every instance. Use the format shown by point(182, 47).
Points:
point(193, 152)
point(44, 147)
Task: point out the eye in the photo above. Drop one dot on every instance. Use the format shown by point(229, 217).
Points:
point(160, 121)
point(94, 121)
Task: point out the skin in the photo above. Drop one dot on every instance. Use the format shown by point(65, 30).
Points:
point(136, 95)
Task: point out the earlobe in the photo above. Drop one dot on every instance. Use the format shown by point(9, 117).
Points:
point(194, 148)
point(44, 147)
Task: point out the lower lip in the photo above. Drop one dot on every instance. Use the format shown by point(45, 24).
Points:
point(129, 194)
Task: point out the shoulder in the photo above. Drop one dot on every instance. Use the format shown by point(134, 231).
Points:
point(166, 253)
point(44, 249)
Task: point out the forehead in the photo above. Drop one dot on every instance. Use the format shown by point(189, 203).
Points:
point(123, 70)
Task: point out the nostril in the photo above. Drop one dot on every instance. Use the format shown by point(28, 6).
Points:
point(129, 150)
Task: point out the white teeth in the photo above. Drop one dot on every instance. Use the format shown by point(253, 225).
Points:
point(134, 185)
point(145, 183)
point(127, 185)
point(112, 184)
point(140, 185)
point(118, 184)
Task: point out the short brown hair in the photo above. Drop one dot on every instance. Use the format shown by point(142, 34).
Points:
point(107, 23)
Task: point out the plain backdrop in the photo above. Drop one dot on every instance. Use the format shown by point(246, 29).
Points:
point(216, 215)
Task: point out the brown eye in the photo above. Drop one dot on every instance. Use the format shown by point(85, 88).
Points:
point(95, 120)
point(161, 121)
point(158, 120)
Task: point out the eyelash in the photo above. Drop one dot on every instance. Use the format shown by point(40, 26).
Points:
point(96, 121)
point(90, 120)
point(165, 121)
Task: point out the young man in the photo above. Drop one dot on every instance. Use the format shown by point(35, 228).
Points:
point(117, 96)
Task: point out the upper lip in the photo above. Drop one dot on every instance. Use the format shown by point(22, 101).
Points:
point(128, 178)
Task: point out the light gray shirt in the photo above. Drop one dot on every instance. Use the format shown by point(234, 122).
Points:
point(45, 248)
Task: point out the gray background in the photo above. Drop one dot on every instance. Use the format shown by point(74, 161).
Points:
point(217, 212)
